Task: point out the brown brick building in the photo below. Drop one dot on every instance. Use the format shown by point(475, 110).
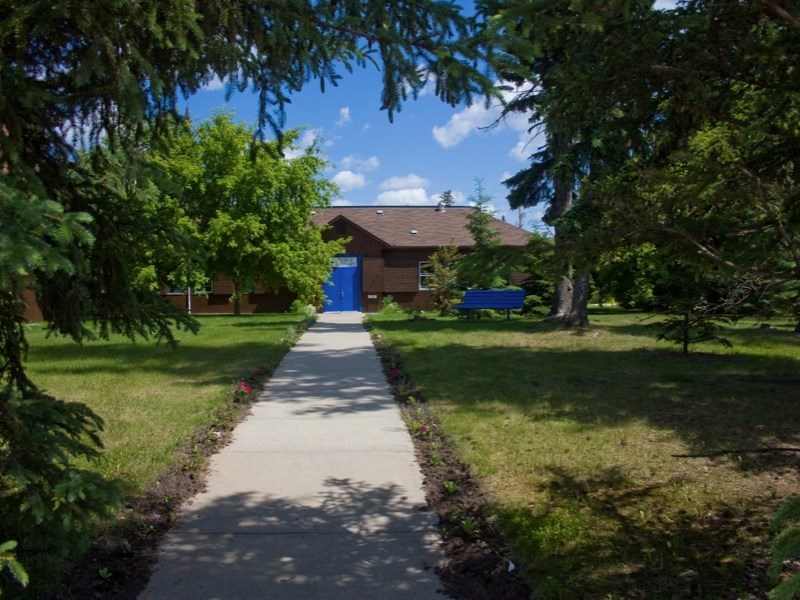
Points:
point(388, 255)
point(389, 251)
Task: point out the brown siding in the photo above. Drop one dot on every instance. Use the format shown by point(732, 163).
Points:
point(371, 302)
point(221, 304)
point(422, 300)
point(400, 278)
point(402, 271)
point(33, 313)
point(361, 243)
point(222, 287)
point(372, 275)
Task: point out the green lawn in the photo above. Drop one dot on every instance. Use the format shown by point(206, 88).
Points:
point(573, 434)
point(153, 396)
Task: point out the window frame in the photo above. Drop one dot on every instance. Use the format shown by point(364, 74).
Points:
point(423, 276)
point(174, 290)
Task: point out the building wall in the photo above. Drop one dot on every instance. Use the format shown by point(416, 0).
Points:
point(33, 313)
point(219, 301)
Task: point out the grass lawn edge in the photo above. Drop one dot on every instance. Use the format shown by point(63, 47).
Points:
point(119, 563)
point(478, 561)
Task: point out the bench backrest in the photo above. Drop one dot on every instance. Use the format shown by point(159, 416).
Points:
point(493, 299)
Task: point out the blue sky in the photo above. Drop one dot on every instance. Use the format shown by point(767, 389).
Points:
point(431, 147)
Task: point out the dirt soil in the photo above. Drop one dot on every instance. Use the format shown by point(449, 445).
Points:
point(478, 563)
point(477, 566)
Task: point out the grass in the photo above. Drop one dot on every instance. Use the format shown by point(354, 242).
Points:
point(152, 396)
point(574, 434)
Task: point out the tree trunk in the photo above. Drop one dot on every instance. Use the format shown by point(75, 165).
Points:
point(578, 314)
point(562, 297)
point(797, 327)
point(685, 334)
point(561, 203)
point(237, 300)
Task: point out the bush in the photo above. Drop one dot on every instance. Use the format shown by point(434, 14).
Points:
point(299, 307)
point(389, 306)
point(48, 505)
point(534, 306)
point(785, 551)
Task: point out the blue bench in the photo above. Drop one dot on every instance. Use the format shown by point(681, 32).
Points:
point(494, 299)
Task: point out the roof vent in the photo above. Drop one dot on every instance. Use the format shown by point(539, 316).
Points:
point(414, 232)
point(379, 212)
point(441, 206)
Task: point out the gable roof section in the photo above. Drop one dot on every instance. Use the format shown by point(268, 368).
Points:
point(392, 225)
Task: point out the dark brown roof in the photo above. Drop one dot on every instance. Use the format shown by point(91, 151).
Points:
point(393, 225)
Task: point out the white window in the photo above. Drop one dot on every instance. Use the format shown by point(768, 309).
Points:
point(350, 262)
point(176, 290)
point(425, 274)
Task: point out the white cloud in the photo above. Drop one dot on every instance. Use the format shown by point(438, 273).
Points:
point(665, 4)
point(348, 180)
point(354, 162)
point(404, 197)
point(464, 123)
point(344, 116)
point(521, 151)
point(214, 84)
point(402, 183)
point(469, 120)
point(341, 202)
point(527, 144)
point(304, 143)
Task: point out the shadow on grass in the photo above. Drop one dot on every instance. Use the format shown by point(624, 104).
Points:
point(710, 401)
point(660, 555)
point(603, 531)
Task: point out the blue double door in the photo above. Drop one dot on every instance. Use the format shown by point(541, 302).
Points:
point(343, 289)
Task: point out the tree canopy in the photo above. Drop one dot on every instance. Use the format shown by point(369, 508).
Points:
point(81, 82)
point(253, 208)
point(670, 127)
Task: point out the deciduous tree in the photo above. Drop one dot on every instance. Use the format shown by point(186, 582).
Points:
point(253, 208)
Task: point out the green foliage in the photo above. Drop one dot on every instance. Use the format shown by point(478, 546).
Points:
point(681, 132)
point(252, 208)
point(698, 324)
point(537, 262)
point(451, 487)
point(87, 85)
point(629, 276)
point(785, 548)
point(444, 282)
point(390, 306)
point(488, 265)
point(48, 504)
point(302, 308)
point(469, 526)
point(8, 561)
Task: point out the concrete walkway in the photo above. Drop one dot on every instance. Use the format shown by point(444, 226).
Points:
point(318, 496)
